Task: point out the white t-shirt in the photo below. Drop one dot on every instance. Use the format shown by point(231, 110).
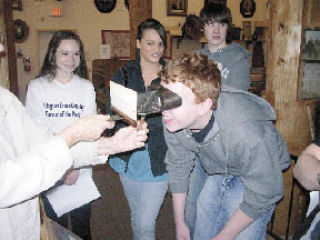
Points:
point(56, 105)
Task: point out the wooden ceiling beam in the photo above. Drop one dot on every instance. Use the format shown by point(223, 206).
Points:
point(139, 10)
point(12, 59)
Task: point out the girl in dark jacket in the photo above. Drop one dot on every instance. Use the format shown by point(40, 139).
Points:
point(142, 172)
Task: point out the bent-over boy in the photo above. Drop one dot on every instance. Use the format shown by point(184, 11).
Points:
point(226, 140)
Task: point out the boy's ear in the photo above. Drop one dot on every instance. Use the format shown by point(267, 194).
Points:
point(205, 106)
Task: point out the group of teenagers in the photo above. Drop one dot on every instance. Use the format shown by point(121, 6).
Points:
point(219, 152)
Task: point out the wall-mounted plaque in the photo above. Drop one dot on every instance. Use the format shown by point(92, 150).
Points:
point(310, 82)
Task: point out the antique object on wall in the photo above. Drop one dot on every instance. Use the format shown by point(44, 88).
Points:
point(224, 2)
point(235, 33)
point(177, 7)
point(310, 82)
point(247, 8)
point(17, 5)
point(257, 55)
point(119, 41)
point(191, 28)
point(105, 6)
point(126, 3)
point(21, 30)
point(246, 30)
point(258, 82)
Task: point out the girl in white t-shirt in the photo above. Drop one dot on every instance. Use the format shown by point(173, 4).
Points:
point(57, 97)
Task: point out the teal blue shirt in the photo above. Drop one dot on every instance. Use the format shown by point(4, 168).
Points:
point(139, 168)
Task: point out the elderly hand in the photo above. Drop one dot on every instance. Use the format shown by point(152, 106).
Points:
point(88, 128)
point(125, 139)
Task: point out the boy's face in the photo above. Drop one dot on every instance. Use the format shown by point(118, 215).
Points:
point(188, 115)
point(216, 33)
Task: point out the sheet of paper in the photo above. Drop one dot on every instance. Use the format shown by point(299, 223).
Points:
point(124, 100)
point(65, 198)
point(314, 201)
point(105, 51)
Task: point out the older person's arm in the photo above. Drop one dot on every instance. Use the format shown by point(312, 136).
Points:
point(97, 152)
point(308, 167)
point(88, 128)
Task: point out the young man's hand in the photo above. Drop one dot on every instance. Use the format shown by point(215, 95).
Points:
point(125, 139)
point(182, 231)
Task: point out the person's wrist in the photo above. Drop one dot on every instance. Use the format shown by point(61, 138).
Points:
point(179, 221)
point(106, 146)
point(69, 136)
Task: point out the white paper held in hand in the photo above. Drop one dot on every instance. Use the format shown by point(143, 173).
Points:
point(124, 100)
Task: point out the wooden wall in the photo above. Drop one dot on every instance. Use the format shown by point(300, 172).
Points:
point(283, 76)
point(4, 70)
point(139, 11)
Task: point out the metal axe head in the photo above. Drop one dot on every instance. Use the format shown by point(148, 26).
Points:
point(156, 99)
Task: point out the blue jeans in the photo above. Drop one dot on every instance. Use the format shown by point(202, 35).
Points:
point(145, 200)
point(196, 182)
point(313, 232)
point(217, 201)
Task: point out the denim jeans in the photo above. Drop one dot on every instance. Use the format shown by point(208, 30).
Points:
point(145, 200)
point(313, 232)
point(219, 198)
point(196, 182)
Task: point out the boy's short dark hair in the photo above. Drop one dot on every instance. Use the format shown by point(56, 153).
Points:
point(198, 73)
point(219, 13)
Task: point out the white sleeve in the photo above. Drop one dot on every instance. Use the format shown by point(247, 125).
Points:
point(86, 153)
point(33, 103)
point(33, 172)
point(31, 159)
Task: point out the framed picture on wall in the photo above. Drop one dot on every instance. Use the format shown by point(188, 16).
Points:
point(119, 41)
point(17, 5)
point(310, 82)
point(177, 7)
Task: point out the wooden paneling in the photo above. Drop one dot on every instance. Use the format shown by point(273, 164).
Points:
point(282, 78)
point(139, 11)
point(102, 71)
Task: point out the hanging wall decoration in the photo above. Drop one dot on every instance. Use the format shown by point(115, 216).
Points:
point(177, 7)
point(17, 5)
point(126, 3)
point(21, 30)
point(247, 8)
point(224, 2)
point(105, 6)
